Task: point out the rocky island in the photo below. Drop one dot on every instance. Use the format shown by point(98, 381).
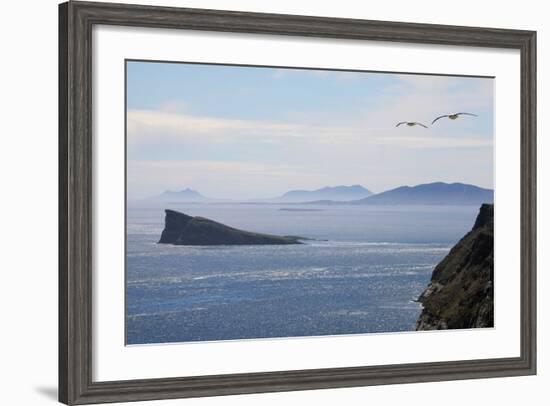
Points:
point(460, 293)
point(181, 229)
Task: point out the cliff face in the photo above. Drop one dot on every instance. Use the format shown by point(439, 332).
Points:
point(460, 293)
point(181, 229)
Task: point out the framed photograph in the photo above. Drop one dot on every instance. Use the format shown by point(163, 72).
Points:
point(258, 202)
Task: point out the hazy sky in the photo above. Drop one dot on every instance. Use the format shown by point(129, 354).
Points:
point(242, 132)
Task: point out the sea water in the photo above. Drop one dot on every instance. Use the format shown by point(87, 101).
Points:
point(360, 273)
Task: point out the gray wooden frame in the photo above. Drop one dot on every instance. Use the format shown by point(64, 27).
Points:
point(76, 20)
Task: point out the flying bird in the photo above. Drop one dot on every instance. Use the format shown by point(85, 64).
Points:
point(410, 124)
point(454, 116)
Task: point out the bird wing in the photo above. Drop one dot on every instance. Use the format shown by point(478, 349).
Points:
point(402, 122)
point(468, 114)
point(446, 115)
point(421, 124)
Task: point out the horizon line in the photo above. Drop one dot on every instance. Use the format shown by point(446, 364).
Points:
point(277, 196)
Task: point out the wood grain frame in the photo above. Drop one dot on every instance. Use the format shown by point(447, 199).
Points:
point(76, 20)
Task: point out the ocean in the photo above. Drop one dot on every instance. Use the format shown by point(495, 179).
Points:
point(361, 273)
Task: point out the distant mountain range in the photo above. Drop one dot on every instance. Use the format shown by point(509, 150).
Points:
point(437, 193)
point(185, 195)
point(335, 193)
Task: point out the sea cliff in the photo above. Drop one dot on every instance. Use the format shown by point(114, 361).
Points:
point(460, 293)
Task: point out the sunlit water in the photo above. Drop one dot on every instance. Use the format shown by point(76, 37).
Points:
point(360, 275)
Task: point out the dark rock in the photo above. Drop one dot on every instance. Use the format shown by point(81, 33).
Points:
point(485, 217)
point(460, 293)
point(181, 229)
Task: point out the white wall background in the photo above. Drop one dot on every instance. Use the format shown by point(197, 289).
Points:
point(28, 170)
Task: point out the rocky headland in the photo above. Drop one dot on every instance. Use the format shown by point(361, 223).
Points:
point(460, 293)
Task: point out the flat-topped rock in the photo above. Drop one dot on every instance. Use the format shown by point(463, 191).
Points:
point(181, 229)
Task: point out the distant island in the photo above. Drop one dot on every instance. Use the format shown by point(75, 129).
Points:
point(460, 293)
point(180, 196)
point(181, 229)
point(437, 193)
point(336, 193)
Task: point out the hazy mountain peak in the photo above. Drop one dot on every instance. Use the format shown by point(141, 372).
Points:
point(435, 193)
point(184, 195)
point(336, 193)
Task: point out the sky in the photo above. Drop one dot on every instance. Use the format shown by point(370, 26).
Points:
point(254, 132)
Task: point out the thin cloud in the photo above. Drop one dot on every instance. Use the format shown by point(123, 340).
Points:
point(146, 127)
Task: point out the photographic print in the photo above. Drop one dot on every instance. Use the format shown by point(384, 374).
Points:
point(269, 202)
